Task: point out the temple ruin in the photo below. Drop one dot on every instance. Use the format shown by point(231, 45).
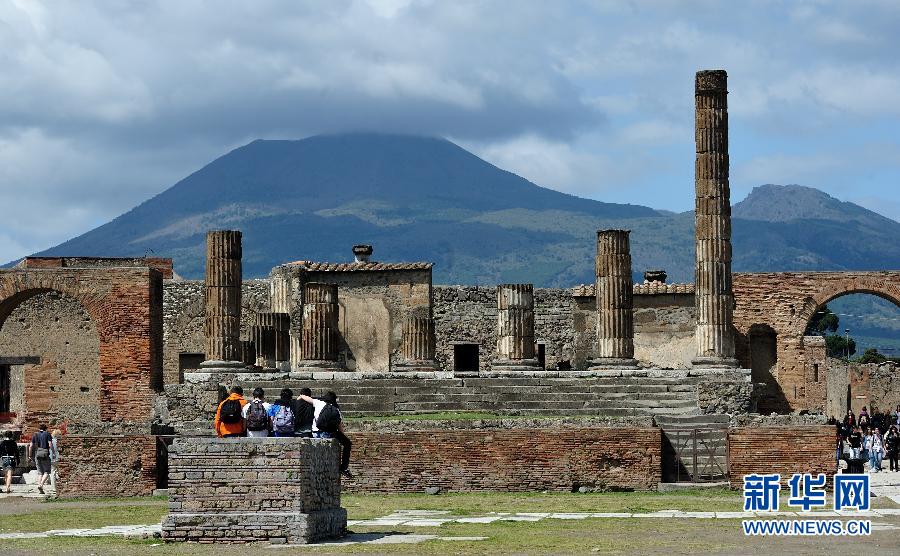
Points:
point(623, 370)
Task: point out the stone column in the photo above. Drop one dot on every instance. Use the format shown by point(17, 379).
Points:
point(615, 307)
point(223, 299)
point(271, 334)
point(319, 334)
point(714, 297)
point(416, 345)
point(515, 328)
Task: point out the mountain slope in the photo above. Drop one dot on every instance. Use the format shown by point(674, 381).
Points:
point(419, 198)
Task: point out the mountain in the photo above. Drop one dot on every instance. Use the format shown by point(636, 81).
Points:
point(417, 198)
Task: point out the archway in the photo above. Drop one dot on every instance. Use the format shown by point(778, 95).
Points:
point(50, 348)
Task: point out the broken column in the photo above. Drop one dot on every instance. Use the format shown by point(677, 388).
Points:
point(615, 294)
point(223, 299)
point(271, 335)
point(515, 328)
point(714, 298)
point(416, 345)
point(319, 332)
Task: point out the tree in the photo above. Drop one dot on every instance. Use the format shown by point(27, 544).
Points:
point(823, 322)
point(839, 346)
point(871, 355)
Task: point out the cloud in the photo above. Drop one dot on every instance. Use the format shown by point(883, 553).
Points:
point(105, 104)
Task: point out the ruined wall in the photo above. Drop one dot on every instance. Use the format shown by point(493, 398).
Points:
point(522, 459)
point(183, 316)
point(64, 385)
point(875, 386)
point(238, 490)
point(785, 302)
point(664, 327)
point(788, 450)
point(106, 466)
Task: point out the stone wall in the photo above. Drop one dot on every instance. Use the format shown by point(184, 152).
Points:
point(120, 305)
point(664, 326)
point(521, 459)
point(183, 316)
point(62, 385)
point(106, 466)
point(876, 386)
point(789, 450)
point(277, 490)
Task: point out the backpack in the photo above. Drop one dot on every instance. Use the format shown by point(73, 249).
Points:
point(231, 412)
point(257, 417)
point(283, 420)
point(329, 419)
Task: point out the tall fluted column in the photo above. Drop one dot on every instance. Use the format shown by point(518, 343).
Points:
point(714, 297)
point(515, 328)
point(223, 298)
point(615, 307)
point(319, 334)
point(416, 345)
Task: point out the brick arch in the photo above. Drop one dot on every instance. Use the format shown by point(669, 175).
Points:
point(125, 305)
point(786, 301)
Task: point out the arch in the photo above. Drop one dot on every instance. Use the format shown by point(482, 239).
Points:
point(125, 305)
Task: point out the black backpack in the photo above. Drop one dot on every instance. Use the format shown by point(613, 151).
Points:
point(257, 417)
point(231, 412)
point(329, 419)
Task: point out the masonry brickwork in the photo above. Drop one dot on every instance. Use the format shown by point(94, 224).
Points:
point(107, 466)
point(275, 490)
point(521, 459)
point(784, 302)
point(784, 450)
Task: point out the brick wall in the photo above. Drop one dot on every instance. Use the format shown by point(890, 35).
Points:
point(253, 489)
point(802, 449)
point(506, 459)
point(106, 466)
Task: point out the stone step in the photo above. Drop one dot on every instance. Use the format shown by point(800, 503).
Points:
point(699, 421)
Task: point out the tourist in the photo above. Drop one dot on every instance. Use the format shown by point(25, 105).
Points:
point(229, 421)
point(41, 444)
point(855, 442)
point(864, 420)
point(256, 415)
point(892, 443)
point(328, 423)
point(9, 458)
point(304, 415)
point(876, 453)
point(283, 415)
point(849, 421)
point(54, 457)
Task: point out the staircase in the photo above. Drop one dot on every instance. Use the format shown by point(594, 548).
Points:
point(695, 448)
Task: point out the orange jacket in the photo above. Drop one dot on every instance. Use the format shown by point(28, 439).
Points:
point(229, 428)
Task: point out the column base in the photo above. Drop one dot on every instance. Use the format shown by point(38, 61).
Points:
point(515, 365)
point(715, 362)
point(601, 363)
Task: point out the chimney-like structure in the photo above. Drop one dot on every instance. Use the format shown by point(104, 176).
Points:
point(362, 253)
point(615, 306)
point(515, 328)
point(223, 299)
point(319, 332)
point(714, 297)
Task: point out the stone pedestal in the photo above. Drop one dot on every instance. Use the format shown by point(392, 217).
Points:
point(615, 307)
point(416, 345)
point(714, 297)
point(223, 299)
point(319, 335)
point(515, 329)
point(242, 490)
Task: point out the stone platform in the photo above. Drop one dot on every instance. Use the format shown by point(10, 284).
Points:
point(241, 490)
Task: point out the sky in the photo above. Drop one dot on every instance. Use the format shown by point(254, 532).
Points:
point(105, 104)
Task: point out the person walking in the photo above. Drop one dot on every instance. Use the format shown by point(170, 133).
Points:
point(855, 441)
point(9, 458)
point(329, 423)
point(229, 421)
point(283, 415)
point(256, 415)
point(54, 457)
point(40, 449)
point(877, 450)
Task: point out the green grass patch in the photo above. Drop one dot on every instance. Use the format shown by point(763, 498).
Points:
point(48, 517)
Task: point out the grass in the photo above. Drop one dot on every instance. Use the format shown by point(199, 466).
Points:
point(50, 516)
